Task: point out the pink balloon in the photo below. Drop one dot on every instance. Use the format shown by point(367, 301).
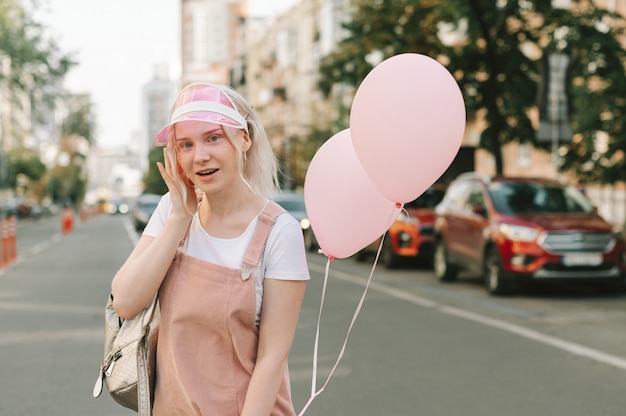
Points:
point(346, 210)
point(407, 122)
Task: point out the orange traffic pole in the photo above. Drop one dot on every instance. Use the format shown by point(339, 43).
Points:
point(67, 220)
point(5, 242)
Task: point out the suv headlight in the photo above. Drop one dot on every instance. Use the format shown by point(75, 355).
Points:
point(305, 223)
point(519, 232)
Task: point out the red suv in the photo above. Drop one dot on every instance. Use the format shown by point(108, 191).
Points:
point(515, 230)
point(410, 237)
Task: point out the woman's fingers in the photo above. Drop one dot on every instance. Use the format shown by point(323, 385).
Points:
point(166, 158)
point(166, 169)
point(165, 175)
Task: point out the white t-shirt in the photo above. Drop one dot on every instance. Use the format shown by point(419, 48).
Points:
point(284, 257)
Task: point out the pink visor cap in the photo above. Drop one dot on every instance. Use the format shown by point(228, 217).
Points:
point(203, 102)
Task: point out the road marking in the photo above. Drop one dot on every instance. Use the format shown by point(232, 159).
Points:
point(571, 347)
point(34, 250)
point(49, 308)
point(38, 248)
point(82, 334)
point(559, 343)
point(130, 230)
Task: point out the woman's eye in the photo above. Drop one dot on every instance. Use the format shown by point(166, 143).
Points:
point(213, 138)
point(185, 145)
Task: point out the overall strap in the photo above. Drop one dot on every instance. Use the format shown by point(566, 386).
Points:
point(267, 219)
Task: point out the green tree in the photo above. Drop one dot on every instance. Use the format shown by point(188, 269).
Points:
point(496, 61)
point(152, 180)
point(596, 152)
point(498, 69)
point(377, 30)
point(494, 71)
point(35, 63)
point(25, 163)
point(36, 59)
point(79, 123)
point(67, 184)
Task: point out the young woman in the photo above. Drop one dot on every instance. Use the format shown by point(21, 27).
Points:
point(228, 264)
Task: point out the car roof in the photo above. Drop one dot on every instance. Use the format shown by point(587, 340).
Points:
point(288, 195)
point(540, 180)
point(149, 197)
point(508, 179)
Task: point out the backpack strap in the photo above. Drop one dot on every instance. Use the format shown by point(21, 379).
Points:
point(265, 223)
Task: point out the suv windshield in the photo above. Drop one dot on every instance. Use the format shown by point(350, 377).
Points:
point(534, 198)
point(291, 203)
point(429, 199)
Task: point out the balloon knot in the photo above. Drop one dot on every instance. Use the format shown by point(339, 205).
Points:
point(398, 204)
point(330, 258)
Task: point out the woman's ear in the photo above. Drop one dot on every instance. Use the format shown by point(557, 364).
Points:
point(247, 143)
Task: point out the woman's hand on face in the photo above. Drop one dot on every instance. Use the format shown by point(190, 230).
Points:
point(190, 205)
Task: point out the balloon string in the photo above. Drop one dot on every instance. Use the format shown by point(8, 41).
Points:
point(317, 333)
point(314, 393)
point(317, 337)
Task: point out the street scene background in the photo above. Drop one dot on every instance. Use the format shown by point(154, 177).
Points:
point(417, 347)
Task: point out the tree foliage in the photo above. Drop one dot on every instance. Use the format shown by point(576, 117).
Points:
point(596, 152)
point(25, 163)
point(152, 180)
point(493, 69)
point(36, 65)
point(496, 59)
point(36, 59)
point(79, 123)
point(67, 185)
point(379, 29)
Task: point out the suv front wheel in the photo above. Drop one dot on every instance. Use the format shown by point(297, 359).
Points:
point(493, 274)
point(444, 270)
point(388, 257)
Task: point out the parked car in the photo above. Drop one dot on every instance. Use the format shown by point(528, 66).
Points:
point(410, 237)
point(293, 202)
point(143, 209)
point(19, 207)
point(518, 230)
point(117, 206)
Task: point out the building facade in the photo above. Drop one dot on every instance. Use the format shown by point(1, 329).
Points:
point(208, 39)
point(157, 97)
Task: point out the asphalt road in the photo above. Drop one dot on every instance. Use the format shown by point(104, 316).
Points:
point(416, 347)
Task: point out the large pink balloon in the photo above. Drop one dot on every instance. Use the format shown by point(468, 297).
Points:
point(346, 210)
point(407, 122)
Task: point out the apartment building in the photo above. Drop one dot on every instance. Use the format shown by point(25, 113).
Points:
point(208, 39)
point(279, 62)
point(157, 97)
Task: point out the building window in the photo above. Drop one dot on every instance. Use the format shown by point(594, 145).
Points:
point(523, 155)
point(208, 32)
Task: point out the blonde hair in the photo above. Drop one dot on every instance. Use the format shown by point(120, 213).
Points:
point(258, 166)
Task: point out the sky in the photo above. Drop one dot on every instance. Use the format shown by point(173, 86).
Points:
point(117, 44)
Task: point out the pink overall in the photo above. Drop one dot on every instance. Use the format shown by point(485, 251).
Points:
point(208, 337)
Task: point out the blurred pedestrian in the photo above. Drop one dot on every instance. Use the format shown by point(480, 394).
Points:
point(229, 264)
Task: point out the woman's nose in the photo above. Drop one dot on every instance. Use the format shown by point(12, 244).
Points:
point(202, 153)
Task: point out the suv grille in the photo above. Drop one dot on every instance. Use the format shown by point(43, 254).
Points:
point(426, 230)
point(558, 242)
